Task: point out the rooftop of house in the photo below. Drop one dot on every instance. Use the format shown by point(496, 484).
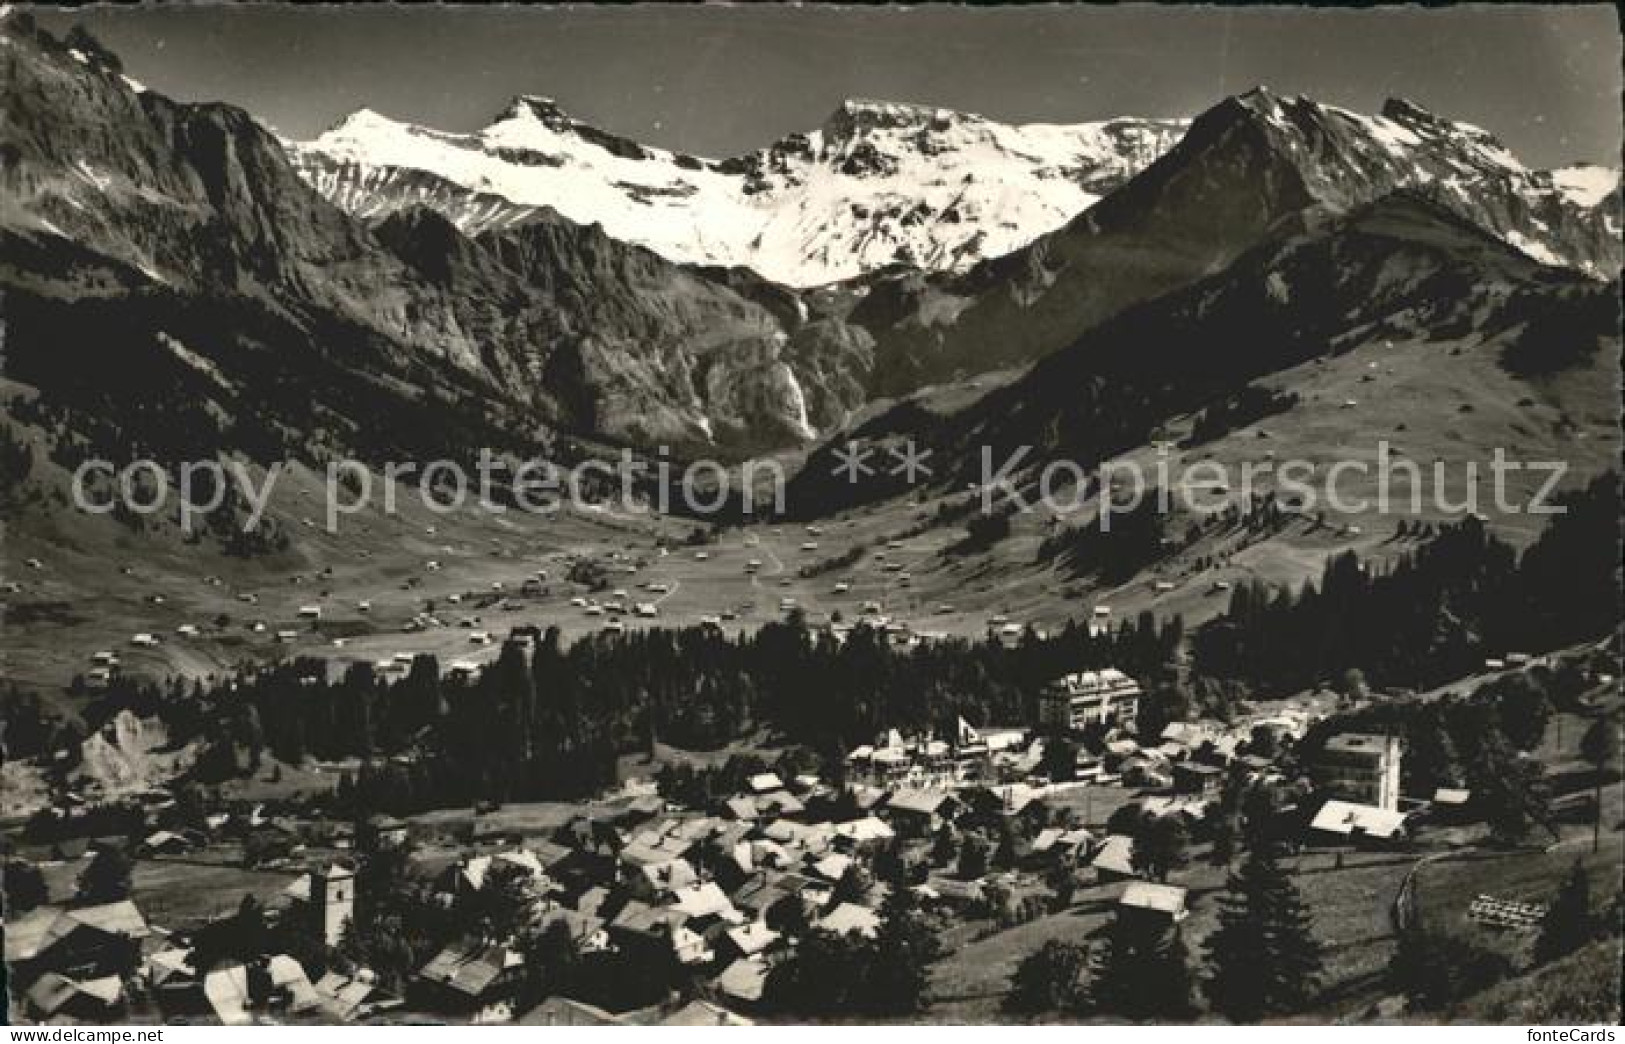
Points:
point(832, 867)
point(752, 938)
point(805, 836)
point(1361, 742)
point(470, 967)
point(563, 1011)
point(1199, 768)
point(1116, 855)
point(953, 888)
point(54, 992)
point(344, 996)
point(760, 892)
point(869, 828)
point(704, 1013)
point(850, 917)
point(781, 803)
point(1161, 898)
point(764, 782)
point(1347, 817)
point(581, 925)
point(645, 919)
point(922, 802)
point(1056, 837)
point(1160, 805)
point(702, 899)
point(26, 933)
point(41, 928)
point(166, 965)
point(743, 980)
point(1108, 681)
point(120, 918)
point(671, 875)
point(288, 974)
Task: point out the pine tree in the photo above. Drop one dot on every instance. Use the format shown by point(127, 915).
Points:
point(1049, 979)
point(25, 887)
point(1599, 746)
point(499, 908)
point(1512, 790)
point(973, 858)
point(1224, 841)
point(1569, 923)
point(1063, 881)
point(788, 917)
point(551, 957)
point(890, 864)
point(1159, 847)
point(852, 887)
point(107, 878)
point(824, 976)
point(904, 948)
point(1005, 855)
point(1259, 810)
point(1435, 970)
point(1143, 973)
point(1263, 959)
point(1059, 760)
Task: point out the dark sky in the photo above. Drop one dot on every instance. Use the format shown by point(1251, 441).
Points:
point(722, 80)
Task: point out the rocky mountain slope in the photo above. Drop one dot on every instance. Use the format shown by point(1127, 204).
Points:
point(443, 293)
point(1404, 276)
point(879, 183)
point(134, 225)
point(899, 198)
point(1245, 165)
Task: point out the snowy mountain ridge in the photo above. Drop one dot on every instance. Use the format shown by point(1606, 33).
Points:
point(879, 183)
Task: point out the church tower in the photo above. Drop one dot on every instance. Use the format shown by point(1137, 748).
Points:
point(332, 900)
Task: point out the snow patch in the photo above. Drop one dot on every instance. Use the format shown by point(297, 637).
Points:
point(1538, 251)
point(1585, 184)
point(193, 359)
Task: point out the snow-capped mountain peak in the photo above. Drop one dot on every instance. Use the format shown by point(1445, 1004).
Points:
point(1586, 184)
point(537, 107)
point(876, 184)
point(1343, 158)
point(879, 183)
